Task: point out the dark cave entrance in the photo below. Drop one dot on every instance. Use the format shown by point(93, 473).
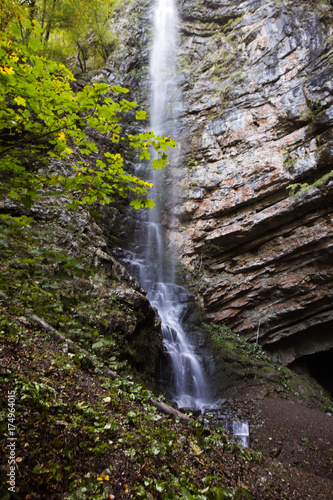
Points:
point(319, 366)
point(316, 339)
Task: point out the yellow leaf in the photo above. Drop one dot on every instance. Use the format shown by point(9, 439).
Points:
point(7, 70)
point(20, 101)
point(103, 477)
point(61, 136)
point(197, 451)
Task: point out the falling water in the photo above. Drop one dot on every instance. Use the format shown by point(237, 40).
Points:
point(163, 64)
point(241, 432)
point(184, 378)
point(164, 97)
point(187, 384)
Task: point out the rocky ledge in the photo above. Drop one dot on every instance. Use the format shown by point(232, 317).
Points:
point(258, 113)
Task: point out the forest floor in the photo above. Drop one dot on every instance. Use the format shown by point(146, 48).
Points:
point(82, 435)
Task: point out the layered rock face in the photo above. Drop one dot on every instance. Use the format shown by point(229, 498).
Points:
point(257, 85)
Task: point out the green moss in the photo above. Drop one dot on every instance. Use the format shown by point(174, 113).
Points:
point(85, 303)
point(249, 361)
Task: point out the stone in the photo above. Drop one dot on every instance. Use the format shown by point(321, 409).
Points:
point(257, 118)
point(257, 115)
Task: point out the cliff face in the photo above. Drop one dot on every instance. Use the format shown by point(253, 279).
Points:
point(258, 112)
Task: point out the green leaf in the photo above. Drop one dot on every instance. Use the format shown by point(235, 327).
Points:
point(15, 31)
point(38, 469)
point(14, 194)
point(187, 494)
point(149, 203)
point(38, 103)
point(155, 449)
point(159, 163)
point(136, 204)
point(35, 44)
point(160, 487)
point(117, 89)
point(141, 115)
point(29, 261)
point(145, 155)
point(26, 23)
point(98, 344)
point(26, 201)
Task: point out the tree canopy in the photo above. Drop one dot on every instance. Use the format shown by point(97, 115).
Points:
point(69, 29)
point(42, 118)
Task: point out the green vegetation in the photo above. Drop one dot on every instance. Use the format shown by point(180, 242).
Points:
point(38, 277)
point(315, 107)
point(191, 162)
point(96, 435)
point(82, 435)
point(78, 431)
point(300, 188)
point(248, 352)
point(41, 118)
point(247, 360)
point(75, 33)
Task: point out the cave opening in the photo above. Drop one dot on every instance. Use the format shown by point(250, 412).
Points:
point(319, 366)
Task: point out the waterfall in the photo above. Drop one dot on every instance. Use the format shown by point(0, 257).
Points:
point(187, 384)
point(241, 433)
point(163, 101)
point(183, 378)
point(149, 259)
point(163, 64)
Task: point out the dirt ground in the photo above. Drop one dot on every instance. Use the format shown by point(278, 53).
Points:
point(296, 436)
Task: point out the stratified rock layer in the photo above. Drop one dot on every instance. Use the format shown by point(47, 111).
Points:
point(258, 112)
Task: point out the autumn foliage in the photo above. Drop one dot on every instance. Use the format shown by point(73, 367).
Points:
point(42, 119)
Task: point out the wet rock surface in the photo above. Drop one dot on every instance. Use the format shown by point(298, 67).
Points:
point(258, 101)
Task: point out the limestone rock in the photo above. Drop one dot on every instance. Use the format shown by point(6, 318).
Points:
point(258, 117)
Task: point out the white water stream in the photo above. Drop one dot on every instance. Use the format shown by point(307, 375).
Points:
point(184, 381)
point(188, 386)
point(183, 377)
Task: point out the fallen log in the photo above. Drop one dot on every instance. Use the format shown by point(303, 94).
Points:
point(169, 410)
point(72, 347)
